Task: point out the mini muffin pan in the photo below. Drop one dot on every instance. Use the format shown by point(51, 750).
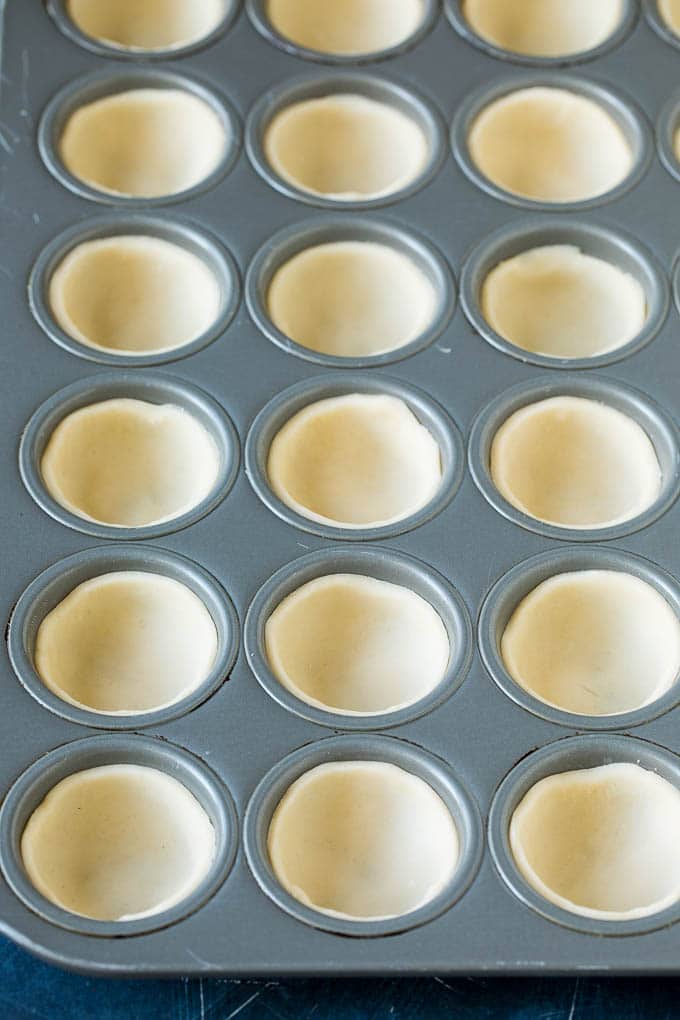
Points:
point(272, 545)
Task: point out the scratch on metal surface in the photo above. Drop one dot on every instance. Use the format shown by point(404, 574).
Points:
point(239, 1009)
point(25, 110)
point(444, 350)
point(199, 959)
point(201, 998)
point(573, 1000)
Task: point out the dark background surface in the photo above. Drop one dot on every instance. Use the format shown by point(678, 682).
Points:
point(30, 988)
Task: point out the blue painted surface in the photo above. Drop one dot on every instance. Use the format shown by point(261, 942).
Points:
point(31, 989)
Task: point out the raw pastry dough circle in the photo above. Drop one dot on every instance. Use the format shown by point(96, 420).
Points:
point(601, 842)
point(544, 28)
point(670, 14)
point(146, 26)
point(356, 461)
point(559, 302)
point(134, 295)
point(362, 840)
point(575, 463)
point(126, 642)
point(118, 843)
point(594, 642)
point(548, 144)
point(356, 645)
point(346, 147)
point(143, 143)
point(128, 463)
point(346, 27)
point(351, 299)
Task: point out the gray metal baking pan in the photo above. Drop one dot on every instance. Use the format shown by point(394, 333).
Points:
point(239, 741)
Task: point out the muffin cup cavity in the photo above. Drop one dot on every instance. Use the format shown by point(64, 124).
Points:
point(343, 31)
point(559, 800)
point(119, 765)
point(668, 134)
point(162, 29)
point(604, 512)
point(165, 416)
point(540, 33)
point(268, 835)
point(353, 123)
point(519, 114)
point(88, 137)
point(287, 468)
point(616, 668)
point(375, 293)
point(399, 574)
point(517, 251)
point(134, 291)
point(73, 583)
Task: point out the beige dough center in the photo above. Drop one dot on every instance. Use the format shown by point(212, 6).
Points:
point(594, 642)
point(143, 143)
point(129, 463)
point(346, 27)
point(126, 642)
point(134, 295)
point(146, 24)
point(544, 28)
point(601, 842)
point(559, 302)
point(351, 299)
point(118, 842)
point(353, 644)
point(356, 461)
point(363, 840)
point(346, 147)
point(550, 145)
point(575, 463)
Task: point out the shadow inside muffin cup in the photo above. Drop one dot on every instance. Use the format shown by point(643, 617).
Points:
point(543, 31)
point(122, 637)
point(351, 600)
point(70, 812)
point(422, 847)
point(373, 141)
point(546, 292)
point(134, 291)
point(343, 31)
point(123, 456)
point(126, 28)
point(576, 458)
point(551, 141)
point(350, 293)
point(611, 622)
point(583, 831)
point(354, 458)
point(143, 137)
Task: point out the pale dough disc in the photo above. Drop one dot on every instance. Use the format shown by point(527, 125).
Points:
point(601, 842)
point(575, 463)
point(356, 645)
point(129, 463)
point(346, 147)
point(544, 28)
point(670, 14)
point(143, 143)
point(117, 843)
point(351, 299)
point(126, 642)
point(346, 27)
point(550, 145)
point(557, 301)
point(362, 840)
point(595, 642)
point(146, 24)
point(134, 295)
point(357, 461)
